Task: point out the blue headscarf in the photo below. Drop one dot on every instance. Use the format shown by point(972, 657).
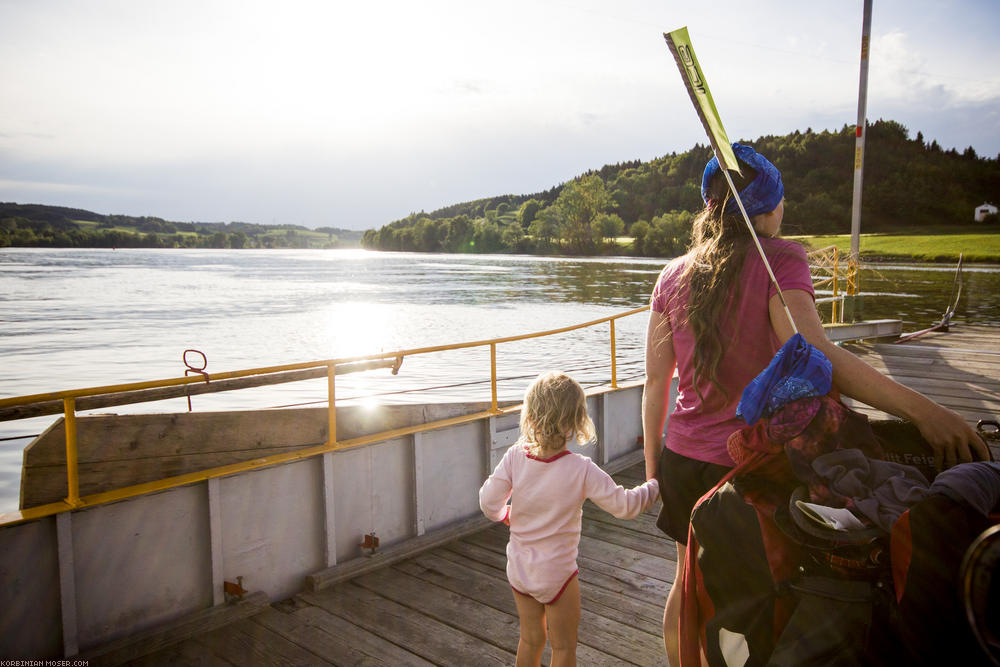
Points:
point(798, 370)
point(762, 195)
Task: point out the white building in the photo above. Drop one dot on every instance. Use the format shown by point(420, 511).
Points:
point(984, 210)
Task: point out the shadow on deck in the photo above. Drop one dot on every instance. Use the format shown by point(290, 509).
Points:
point(453, 606)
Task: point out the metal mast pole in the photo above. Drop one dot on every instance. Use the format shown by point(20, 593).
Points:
point(854, 281)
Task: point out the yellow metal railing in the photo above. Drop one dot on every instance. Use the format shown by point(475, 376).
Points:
point(69, 398)
point(827, 270)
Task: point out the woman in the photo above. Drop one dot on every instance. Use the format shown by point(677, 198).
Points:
point(717, 318)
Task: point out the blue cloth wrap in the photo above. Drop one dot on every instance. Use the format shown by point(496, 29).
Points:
point(762, 195)
point(798, 370)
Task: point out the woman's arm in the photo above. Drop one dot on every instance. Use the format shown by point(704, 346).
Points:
point(660, 364)
point(953, 440)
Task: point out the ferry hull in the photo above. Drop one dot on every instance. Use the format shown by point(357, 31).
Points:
point(73, 582)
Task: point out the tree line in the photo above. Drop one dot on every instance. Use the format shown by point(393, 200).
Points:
point(908, 184)
point(38, 225)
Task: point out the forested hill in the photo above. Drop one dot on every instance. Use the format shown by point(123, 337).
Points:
point(57, 226)
point(909, 183)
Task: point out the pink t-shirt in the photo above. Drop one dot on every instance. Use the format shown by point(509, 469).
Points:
point(697, 430)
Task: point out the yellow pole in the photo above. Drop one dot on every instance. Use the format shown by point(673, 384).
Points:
point(493, 375)
point(837, 311)
point(331, 374)
point(614, 367)
point(72, 473)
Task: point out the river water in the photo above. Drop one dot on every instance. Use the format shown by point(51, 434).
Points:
point(83, 318)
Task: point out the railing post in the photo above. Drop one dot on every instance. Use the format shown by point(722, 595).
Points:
point(331, 374)
point(614, 366)
point(493, 377)
point(72, 473)
point(838, 313)
point(854, 304)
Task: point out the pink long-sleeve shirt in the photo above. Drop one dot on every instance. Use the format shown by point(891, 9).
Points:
point(545, 512)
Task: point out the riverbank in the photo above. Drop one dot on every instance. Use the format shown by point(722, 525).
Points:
point(941, 244)
point(945, 246)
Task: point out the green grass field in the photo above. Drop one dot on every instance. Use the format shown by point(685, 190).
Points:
point(931, 247)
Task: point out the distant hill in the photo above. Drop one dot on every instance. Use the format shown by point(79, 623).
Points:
point(39, 225)
point(909, 184)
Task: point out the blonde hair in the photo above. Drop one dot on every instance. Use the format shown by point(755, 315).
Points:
point(555, 408)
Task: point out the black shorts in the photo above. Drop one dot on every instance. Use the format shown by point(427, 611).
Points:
point(682, 482)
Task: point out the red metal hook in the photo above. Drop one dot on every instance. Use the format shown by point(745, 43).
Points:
point(191, 368)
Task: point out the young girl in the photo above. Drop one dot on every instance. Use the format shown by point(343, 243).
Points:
point(717, 320)
point(547, 485)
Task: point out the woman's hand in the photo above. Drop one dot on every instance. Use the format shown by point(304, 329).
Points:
point(953, 440)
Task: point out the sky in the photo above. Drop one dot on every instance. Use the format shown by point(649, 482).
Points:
point(355, 114)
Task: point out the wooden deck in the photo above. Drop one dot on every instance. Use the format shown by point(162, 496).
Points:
point(453, 606)
point(959, 369)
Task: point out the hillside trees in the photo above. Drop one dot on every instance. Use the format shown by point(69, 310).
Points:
point(908, 184)
point(580, 202)
point(38, 225)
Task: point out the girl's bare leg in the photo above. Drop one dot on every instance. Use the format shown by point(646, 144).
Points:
point(531, 614)
point(564, 624)
point(672, 612)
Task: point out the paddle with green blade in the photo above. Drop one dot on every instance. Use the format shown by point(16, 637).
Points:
point(694, 80)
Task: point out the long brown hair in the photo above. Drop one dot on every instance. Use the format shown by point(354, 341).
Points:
point(719, 243)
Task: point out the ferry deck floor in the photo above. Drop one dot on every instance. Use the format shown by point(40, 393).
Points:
point(452, 605)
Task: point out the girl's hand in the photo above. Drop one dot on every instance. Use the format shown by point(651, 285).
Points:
point(951, 437)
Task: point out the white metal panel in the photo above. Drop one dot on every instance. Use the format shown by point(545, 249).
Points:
point(394, 515)
point(623, 422)
point(67, 582)
point(273, 527)
point(29, 591)
point(503, 431)
point(329, 510)
point(865, 329)
point(374, 490)
point(352, 489)
point(418, 483)
point(141, 562)
point(454, 458)
point(215, 530)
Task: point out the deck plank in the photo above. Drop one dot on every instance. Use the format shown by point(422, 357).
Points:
point(623, 536)
point(645, 522)
point(623, 633)
point(494, 622)
point(490, 587)
point(249, 643)
point(334, 639)
point(187, 653)
point(960, 369)
point(430, 639)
